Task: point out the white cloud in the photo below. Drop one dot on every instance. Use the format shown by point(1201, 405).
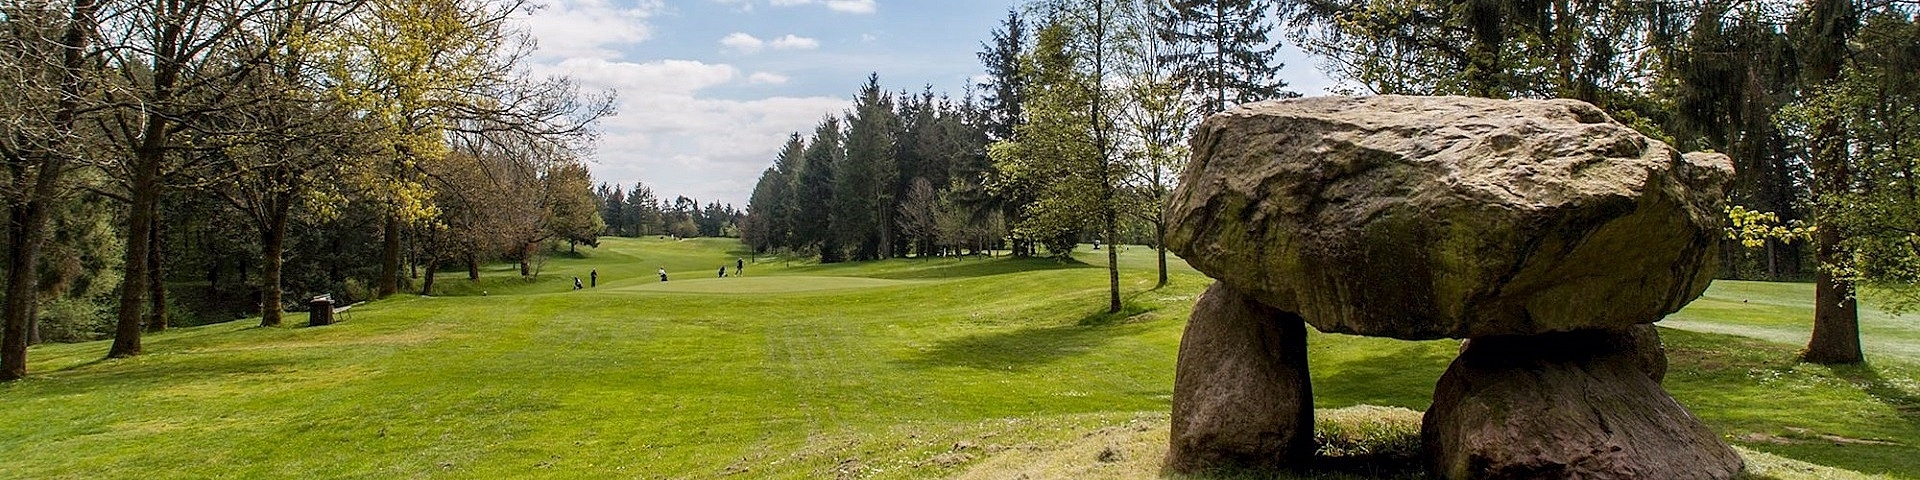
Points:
point(746, 43)
point(673, 135)
point(590, 28)
point(766, 78)
point(848, 6)
point(742, 42)
point(678, 128)
point(794, 42)
point(703, 148)
point(663, 77)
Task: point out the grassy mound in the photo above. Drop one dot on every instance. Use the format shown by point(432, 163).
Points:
point(907, 368)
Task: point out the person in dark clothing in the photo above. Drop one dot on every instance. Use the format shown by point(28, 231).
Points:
point(739, 265)
point(663, 274)
point(576, 283)
point(723, 271)
point(593, 278)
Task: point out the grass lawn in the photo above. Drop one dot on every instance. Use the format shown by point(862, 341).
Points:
point(910, 368)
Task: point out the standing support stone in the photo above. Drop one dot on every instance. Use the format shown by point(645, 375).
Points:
point(1241, 394)
point(1577, 405)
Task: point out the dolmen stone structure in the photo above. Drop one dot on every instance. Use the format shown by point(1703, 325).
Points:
point(1544, 232)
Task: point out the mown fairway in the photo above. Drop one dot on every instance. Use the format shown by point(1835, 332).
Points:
point(898, 369)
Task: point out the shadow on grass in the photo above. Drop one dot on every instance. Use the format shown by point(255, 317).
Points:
point(149, 373)
point(1022, 349)
point(1384, 379)
point(574, 254)
point(1904, 403)
point(983, 268)
point(1128, 310)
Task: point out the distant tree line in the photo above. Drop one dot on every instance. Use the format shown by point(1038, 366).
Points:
point(183, 161)
point(1075, 136)
point(637, 212)
point(895, 176)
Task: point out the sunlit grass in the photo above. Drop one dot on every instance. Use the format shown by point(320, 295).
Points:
point(906, 368)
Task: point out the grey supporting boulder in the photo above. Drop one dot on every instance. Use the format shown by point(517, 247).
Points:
point(1576, 405)
point(1241, 396)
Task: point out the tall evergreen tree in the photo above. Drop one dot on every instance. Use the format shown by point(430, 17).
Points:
point(864, 191)
point(1223, 53)
point(1006, 84)
point(779, 209)
point(1700, 50)
point(813, 188)
point(758, 231)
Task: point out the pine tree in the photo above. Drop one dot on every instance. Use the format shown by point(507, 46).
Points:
point(863, 196)
point(1006, 84)
point(813, 190)
point(781, 201)
point(1223, 54)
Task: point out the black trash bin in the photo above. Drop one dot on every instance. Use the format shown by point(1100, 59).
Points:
point(320, 311)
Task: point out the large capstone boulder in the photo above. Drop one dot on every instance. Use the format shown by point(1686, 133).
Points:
point(1430, 217)
point(1242, 398)
point(1577, 405)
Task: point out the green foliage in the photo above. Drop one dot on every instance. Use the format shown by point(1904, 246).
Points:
point(1755, 228)
point(573, 211)
point(68, 319)
point(863, 181)
point(1876, 208)
point(1053, 155)
point(1592, 51)
point(1221, 52)
point(813, 192)
point(1006, 86)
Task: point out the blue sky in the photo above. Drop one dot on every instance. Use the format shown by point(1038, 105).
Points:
point(710, 89)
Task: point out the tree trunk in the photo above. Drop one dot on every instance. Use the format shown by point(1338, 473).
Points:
point(157, 273)
point(25, 225)
point(886, 229)
point(433, 270)
point(144, 189)
point(526, 262)
point(389, 258)
point(27, 220)
point(273, 242)
point(1836, 321)
point(33, 326)
point(1109, 212)
point(1836, 317)
point(473, 267)
point(1160, 250)
point(1113, 264)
